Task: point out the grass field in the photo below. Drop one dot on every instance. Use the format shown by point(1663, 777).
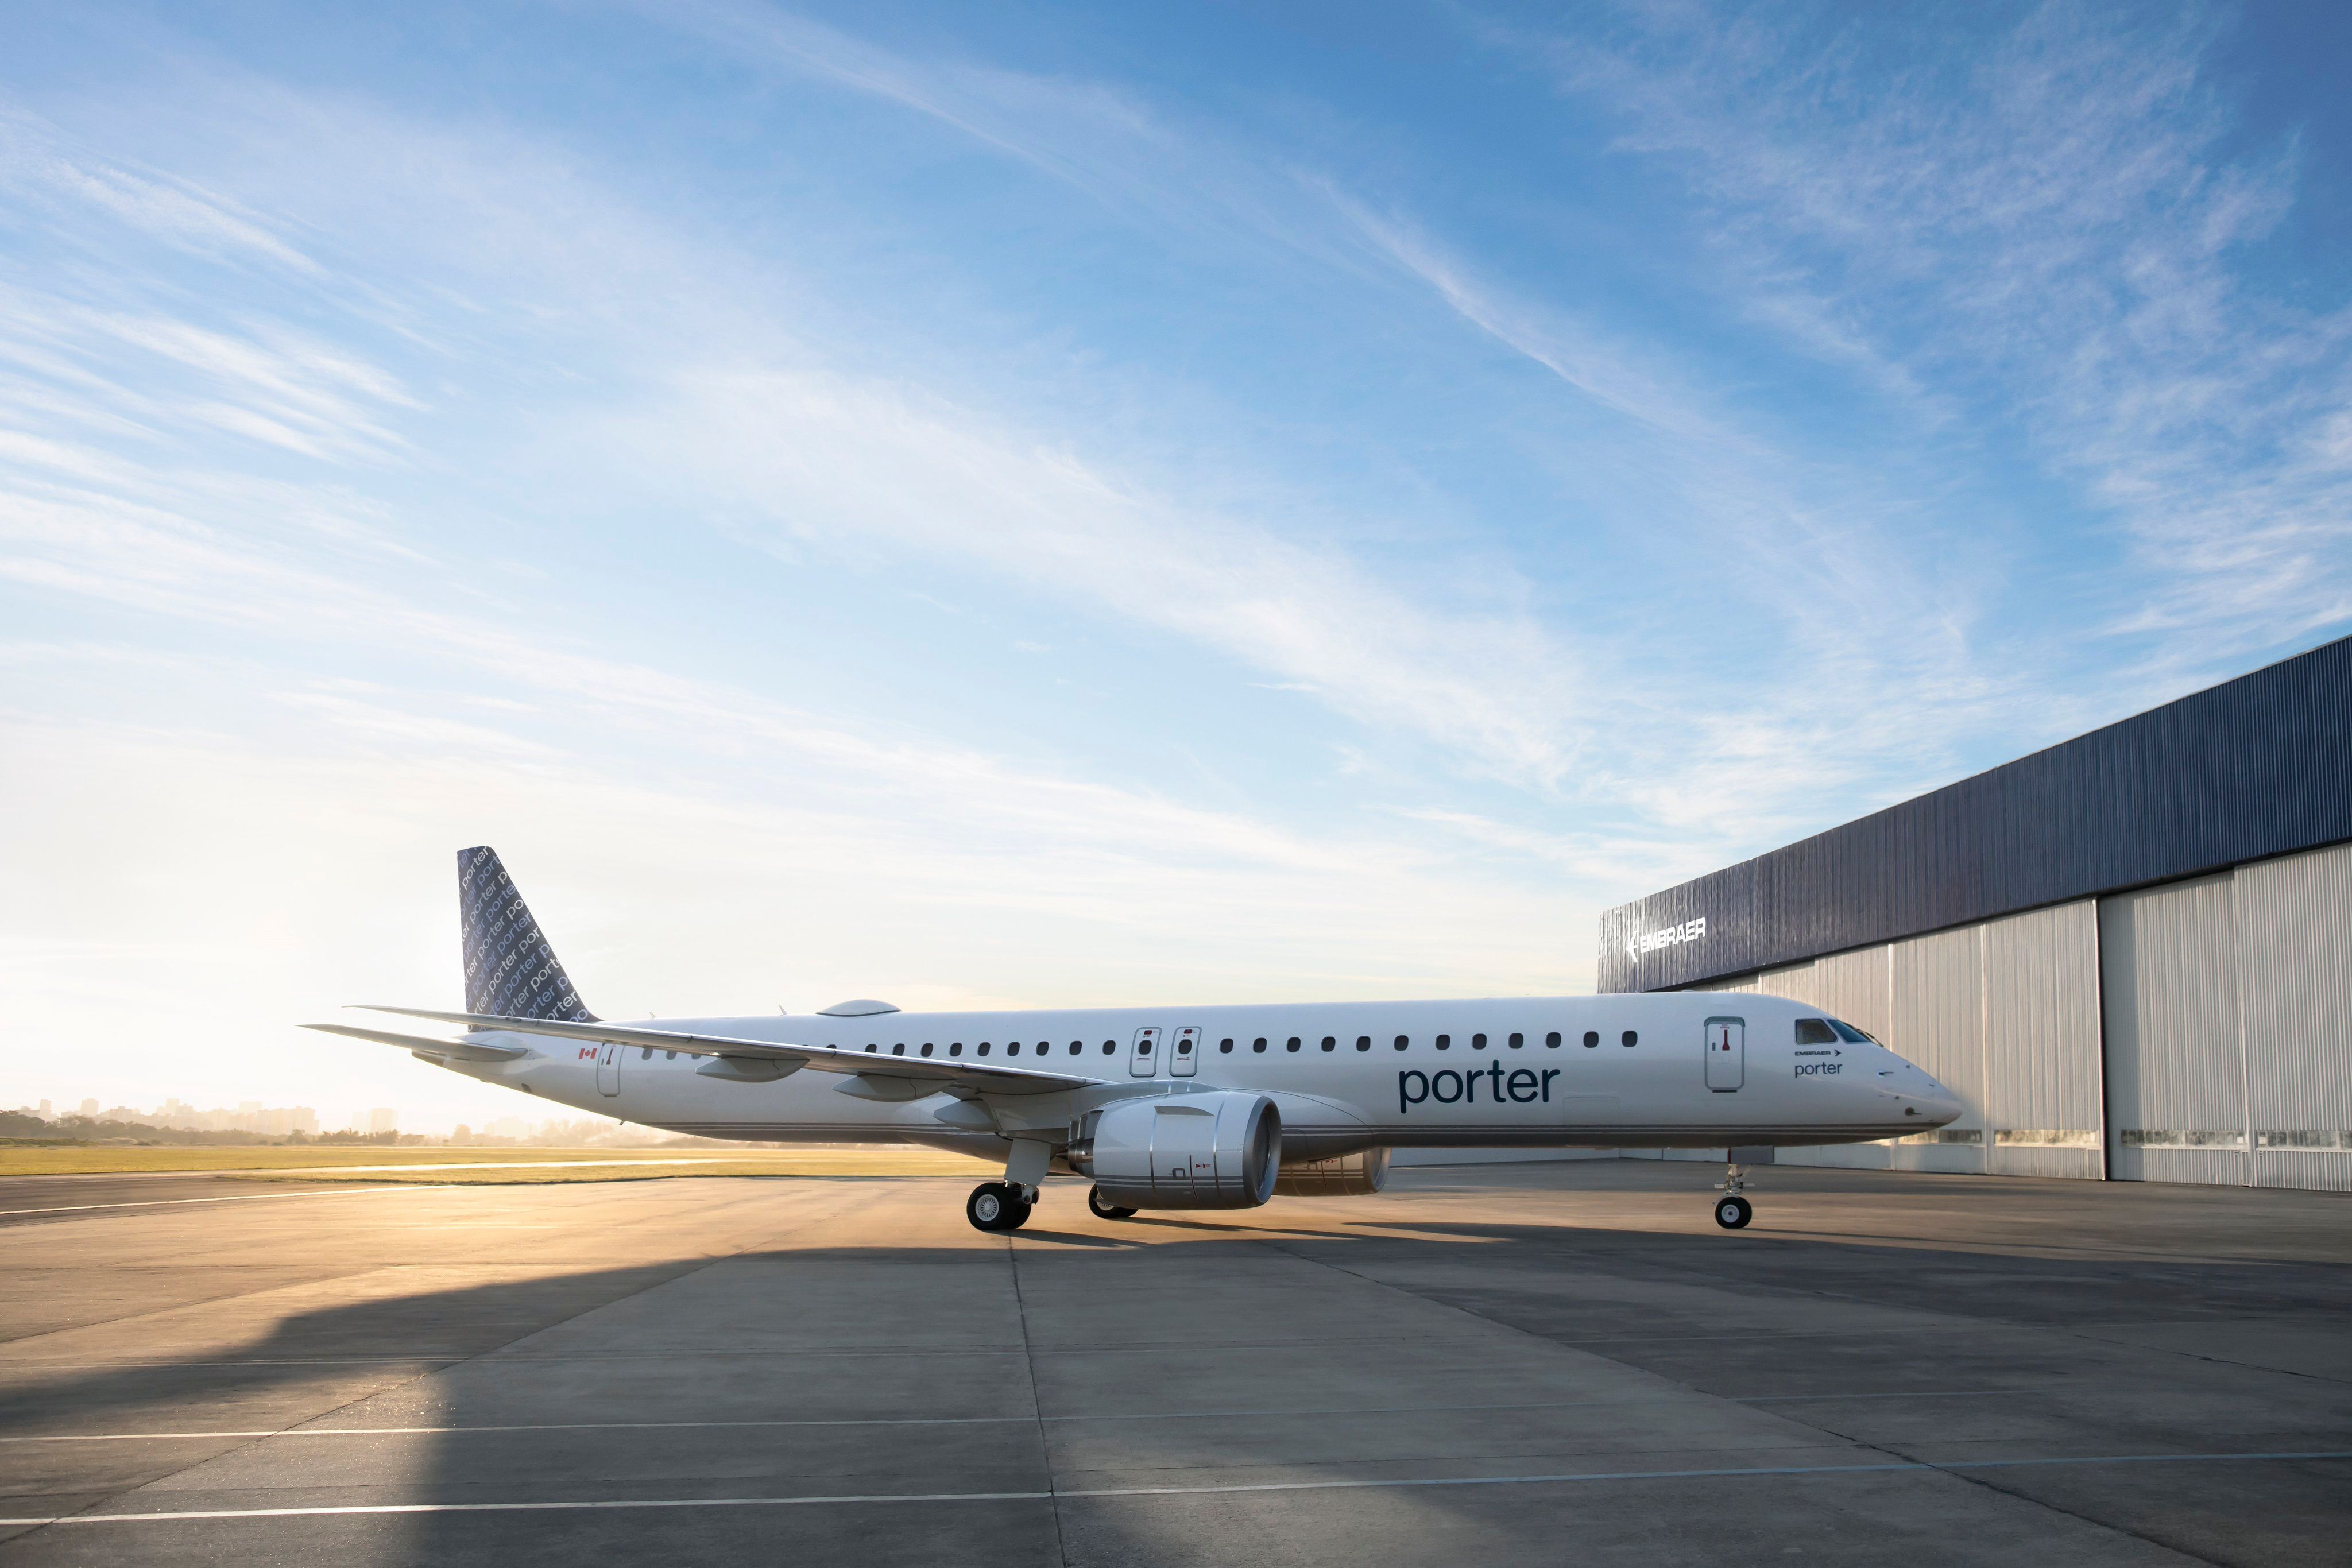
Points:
point(490, 1164)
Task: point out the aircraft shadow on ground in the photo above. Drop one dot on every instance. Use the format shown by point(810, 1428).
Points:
point(1523, 1276)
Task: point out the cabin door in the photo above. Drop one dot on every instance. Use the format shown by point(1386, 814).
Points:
point(608, 1070)
point(1184, 1055)
point(1726, 1053)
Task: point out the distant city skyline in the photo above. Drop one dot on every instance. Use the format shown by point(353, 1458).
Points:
point(279, 1121)
point(1058, 505)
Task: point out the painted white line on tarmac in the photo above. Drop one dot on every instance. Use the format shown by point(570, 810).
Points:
point(239, 1197)
point(941, 1420)
point(616, 1505)
point(1891, 1393)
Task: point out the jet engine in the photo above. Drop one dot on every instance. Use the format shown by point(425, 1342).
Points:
point(1220, 1150)
point(1359, 1175)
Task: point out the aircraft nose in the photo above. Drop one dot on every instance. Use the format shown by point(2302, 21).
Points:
point(1935, 1104)
point(1926, 1103)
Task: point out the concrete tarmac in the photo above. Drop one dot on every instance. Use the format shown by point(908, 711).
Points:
point(1502, 1364)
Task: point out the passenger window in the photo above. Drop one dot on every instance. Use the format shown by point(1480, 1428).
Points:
point(1591, 1037)
point(955, 1048)
point(871, 1050)
point(1401, 1042)
point(1363, 1042)
point(646, 1054)
point(1630, 1038)
point(1292, 1045)
point(899, 1049)
point(982, 1050)
point(926, 1048)
point(669, 1056)
point(1258, 1044)
point(1477, 1043)
point(1226, 1047)
point(1517, 1041)
point(1330, 1042)
point(1815, 1031)
point(1076, 1045)
point(1013, 1048)
point(1444, 1042)
point(1110, 1048)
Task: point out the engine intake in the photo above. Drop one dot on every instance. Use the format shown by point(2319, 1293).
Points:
point(1359, 1175)
point(1190, 1150)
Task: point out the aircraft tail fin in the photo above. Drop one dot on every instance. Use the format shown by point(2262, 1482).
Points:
point(510, 970)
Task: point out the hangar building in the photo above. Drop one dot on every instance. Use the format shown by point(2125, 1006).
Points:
point(2131, 954)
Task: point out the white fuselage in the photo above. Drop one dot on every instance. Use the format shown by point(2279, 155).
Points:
point(1704, 1069)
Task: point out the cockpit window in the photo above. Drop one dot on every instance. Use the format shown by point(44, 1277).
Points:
point(1815, 1031)
point(1850, 1034)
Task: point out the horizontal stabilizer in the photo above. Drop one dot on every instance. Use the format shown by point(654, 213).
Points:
point(458, 1050)
point(977, 1076)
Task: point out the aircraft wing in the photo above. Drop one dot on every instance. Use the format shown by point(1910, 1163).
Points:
point(937, 1072)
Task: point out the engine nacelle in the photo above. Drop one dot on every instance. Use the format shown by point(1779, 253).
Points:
point(1187, 1151)
point(1359, 1175)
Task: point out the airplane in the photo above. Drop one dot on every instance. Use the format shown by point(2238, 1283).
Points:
point(1183, 1107)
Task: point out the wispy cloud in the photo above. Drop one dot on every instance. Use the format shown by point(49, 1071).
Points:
point(2051, 218)
point(1868, 602)
point(825, 457)
point(40, 167)
point(1125, 152)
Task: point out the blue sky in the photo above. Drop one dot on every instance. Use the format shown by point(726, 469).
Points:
point(1028, 505)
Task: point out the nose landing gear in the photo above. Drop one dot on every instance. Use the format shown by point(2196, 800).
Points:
point(1731, 1210)
point(999, 1206)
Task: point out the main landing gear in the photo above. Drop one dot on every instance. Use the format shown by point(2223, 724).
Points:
point(1731, 1210)
point(999, 1206)
point(1005, 1204)
point(1103, 1209)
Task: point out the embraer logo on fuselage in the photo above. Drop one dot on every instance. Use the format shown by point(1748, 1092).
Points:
point(1650, 941)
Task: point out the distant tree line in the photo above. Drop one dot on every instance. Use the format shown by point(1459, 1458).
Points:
point(17, 1128)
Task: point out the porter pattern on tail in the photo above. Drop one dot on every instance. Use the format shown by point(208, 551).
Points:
point(510, 969)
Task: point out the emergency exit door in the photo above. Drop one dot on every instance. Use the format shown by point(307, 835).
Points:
point(608, 1070)
point(1726, 1053)
point(1143, 1060)
point(1184, 1054)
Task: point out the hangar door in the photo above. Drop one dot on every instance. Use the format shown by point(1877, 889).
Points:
point(1726, 1053)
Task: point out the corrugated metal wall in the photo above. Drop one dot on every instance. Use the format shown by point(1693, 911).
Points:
point(2246, 770)
point(1938, 1023)
point(2196, 1032)
point(2294, 1001)
point(2176, 1063)
point(1796, 982)
point(2042, 1042)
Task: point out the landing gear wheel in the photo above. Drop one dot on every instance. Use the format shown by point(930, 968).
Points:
point(1017, 1212)
point(1732, 1213)
point(1103, 1209)
point(993, 1207)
